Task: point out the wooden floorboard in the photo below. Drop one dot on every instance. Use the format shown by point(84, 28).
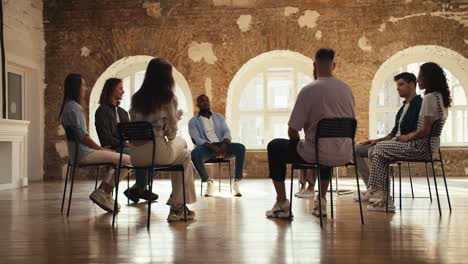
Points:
point(230, 230)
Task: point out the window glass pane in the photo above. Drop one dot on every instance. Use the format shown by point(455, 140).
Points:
point(303, 80)
point(280, 88)
point(15, 101)
point(279, 127)
point(139, 77)
point(252, 95)
point(385, 123)
point(251, 130)
point(126, 99)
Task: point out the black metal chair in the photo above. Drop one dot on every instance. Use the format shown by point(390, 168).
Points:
point(74, 164)
point(399, 164)
point(436, 131)
point(219, 161)
point(143, 131)
point(329, 128)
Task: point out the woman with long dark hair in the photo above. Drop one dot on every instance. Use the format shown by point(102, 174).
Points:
point(414, 145)
point(108, 115)
point(72, 118)
point(155, 102)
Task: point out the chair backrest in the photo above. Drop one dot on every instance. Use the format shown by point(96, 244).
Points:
point(72, 138)
point(336, 128)
point(70, 134)
point(139, 130)
point(437, 127)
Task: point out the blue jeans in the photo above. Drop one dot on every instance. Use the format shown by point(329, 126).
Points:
point(141, 176)
point(201, 154)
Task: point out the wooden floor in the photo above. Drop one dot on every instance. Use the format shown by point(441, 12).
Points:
point(230, 230)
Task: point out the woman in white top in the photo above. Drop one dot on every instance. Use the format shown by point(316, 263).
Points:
point(414, 145)
point(156, 103)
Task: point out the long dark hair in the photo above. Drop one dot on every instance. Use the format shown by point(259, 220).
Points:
point(108, 89)
point(157, 88)
point(435, 81)
point(71, 89)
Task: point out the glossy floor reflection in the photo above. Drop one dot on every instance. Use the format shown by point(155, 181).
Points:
point(230, 230)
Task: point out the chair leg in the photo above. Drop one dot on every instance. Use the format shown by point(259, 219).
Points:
point(435, 185)
point(359, 191)
point(65, 188)
point(445, 182)
point(410, 180)
point(428, 182)
point(230, 177)
point(128, 186)
point(201, 188)
point(399, 176)
point(290, 194)
point(150, 184)
point(336, 182)
point(116, 207)
point(219, 176)
point(320, 196)
point(393, 185)
point(71, 190)
point(388, 188)
point(97, 177)
point(331, 195)
point(183, 190)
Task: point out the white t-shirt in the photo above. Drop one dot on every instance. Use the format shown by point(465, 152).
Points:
point(431, 108)
point(210, 129)
point(405, 109)
point(326, 97)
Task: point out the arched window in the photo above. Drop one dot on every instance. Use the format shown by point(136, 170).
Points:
point(262, 95)
point(385, 102)
point(132, 71)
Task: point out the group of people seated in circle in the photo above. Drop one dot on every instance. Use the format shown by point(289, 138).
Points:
point(325, 97)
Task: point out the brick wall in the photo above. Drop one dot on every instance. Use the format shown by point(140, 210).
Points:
point(364, 34)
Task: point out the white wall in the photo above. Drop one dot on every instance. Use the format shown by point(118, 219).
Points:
point(25, 50)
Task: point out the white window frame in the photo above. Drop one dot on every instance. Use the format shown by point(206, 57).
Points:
point(261, 64)
point(22, 72)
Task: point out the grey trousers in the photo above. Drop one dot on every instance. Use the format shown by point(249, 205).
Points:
point(363, 157)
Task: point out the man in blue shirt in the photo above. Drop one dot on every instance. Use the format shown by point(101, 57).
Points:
point(212, 138)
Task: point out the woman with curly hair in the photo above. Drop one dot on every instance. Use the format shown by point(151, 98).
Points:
point(435, 106)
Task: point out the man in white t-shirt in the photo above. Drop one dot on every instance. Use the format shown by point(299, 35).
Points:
point(406, 121)
point(212, 138)
point(326, 97)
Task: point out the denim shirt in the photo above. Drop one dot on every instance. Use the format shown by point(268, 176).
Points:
point(410, 120)
point(198, 133)
point(73, 117)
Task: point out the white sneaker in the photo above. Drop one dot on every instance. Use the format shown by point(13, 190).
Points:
point(305, 194)
point(102, 199)
point(301, 190)
point(279, 210)
point(380, 205)
point(236, 188)
point(316, 211)
point(366, 196)
point(210, 189)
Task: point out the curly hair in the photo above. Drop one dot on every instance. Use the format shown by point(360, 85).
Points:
point(435, 81)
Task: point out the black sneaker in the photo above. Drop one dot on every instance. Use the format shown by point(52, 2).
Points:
point(148, 196)
point(132, 195)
